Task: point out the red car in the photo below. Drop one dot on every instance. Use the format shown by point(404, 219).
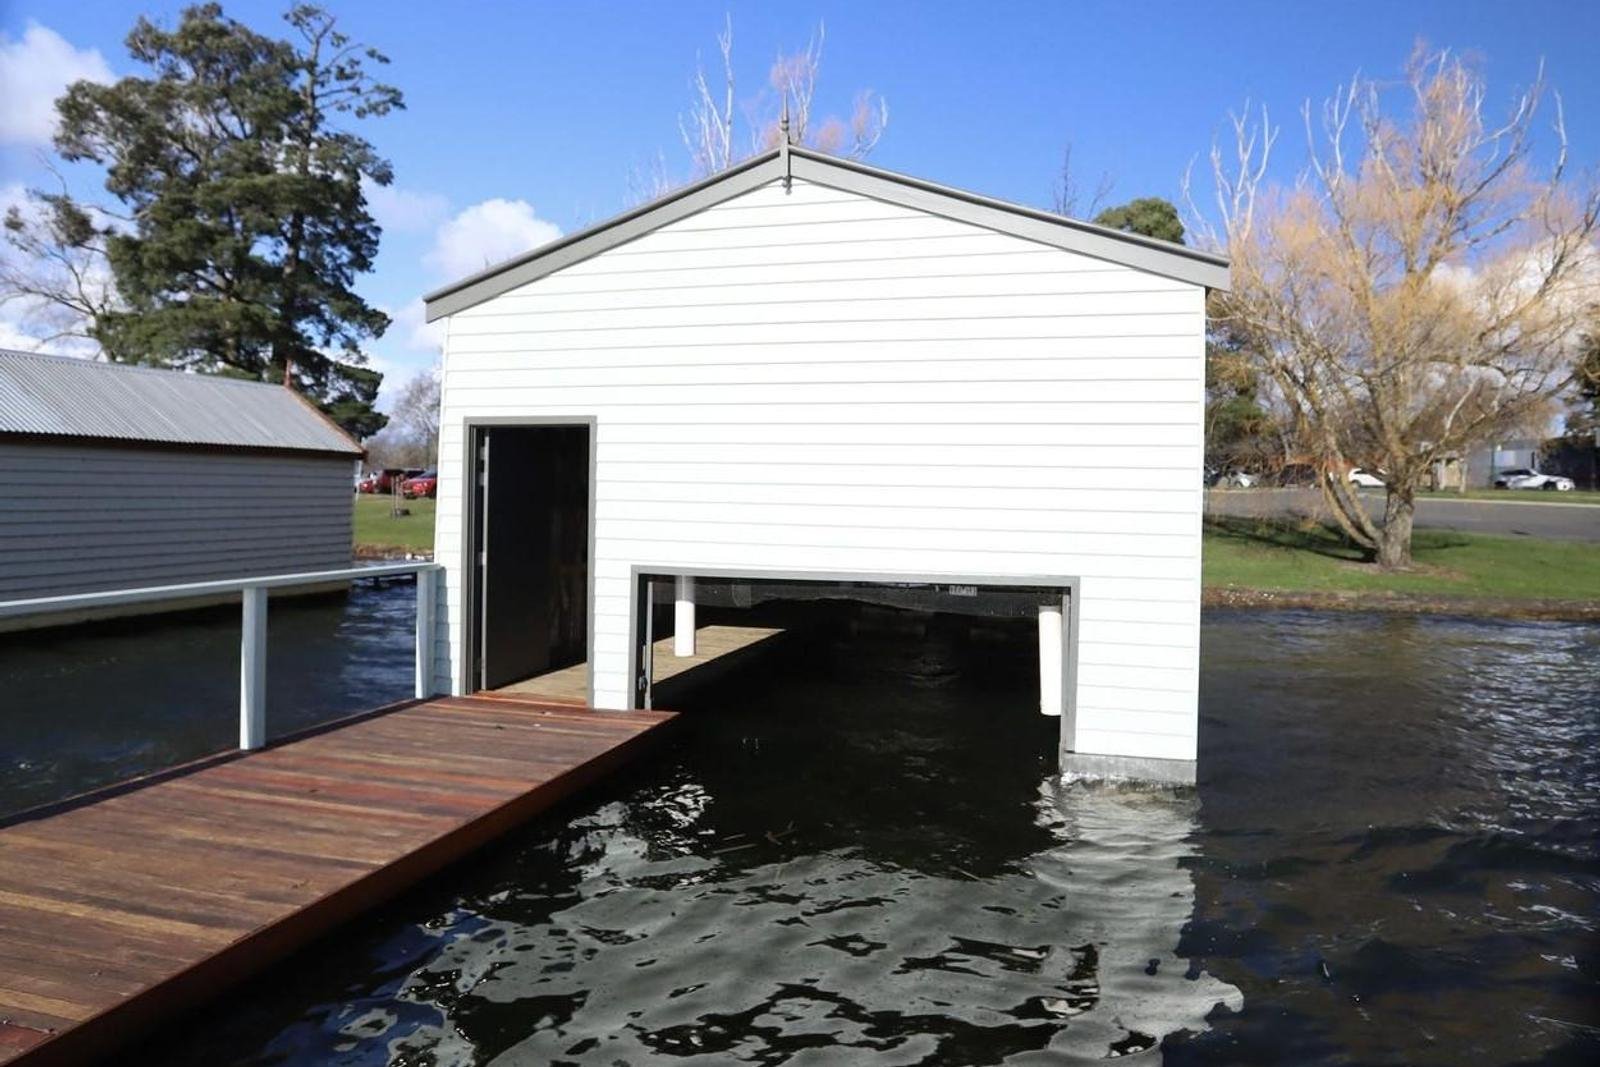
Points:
point(424, 484)
point(384, 481)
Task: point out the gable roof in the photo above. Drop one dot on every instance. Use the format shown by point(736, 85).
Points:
point(59, 396)
point(1114, 246)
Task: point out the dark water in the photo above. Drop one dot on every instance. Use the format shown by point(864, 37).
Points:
point(1393, 857)
point(86, 706)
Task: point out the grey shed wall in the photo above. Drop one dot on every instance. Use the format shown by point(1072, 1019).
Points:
point(78, 518)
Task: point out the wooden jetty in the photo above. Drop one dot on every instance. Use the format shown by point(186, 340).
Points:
point(719, 649)
point(121, 909)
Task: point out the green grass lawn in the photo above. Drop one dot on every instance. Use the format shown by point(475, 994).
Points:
point(1253, 554)
point(376, 528)
point(1521, 496)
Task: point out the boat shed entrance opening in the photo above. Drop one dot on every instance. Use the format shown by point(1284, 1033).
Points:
point(693, 609)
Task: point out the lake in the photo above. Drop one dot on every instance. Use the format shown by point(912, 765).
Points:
point(860, 855)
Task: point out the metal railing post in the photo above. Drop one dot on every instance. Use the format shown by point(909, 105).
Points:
point(427, 595)
point(253, 669)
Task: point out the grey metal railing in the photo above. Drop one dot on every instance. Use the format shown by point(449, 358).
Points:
point(253, 636)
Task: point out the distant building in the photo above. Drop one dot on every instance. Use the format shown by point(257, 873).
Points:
point(118, 477)
point(1482, 464)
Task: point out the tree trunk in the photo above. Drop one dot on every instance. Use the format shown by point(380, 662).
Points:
point(1394, 537)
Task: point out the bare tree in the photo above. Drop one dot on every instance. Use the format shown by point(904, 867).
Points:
point(1069, 192)
point(1419, 290)
point(707, 129)
point(414, 419)
point(53, 268)
point(711, 129)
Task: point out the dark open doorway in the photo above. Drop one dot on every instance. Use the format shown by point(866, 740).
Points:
point(1018, 627)
point(532, 506)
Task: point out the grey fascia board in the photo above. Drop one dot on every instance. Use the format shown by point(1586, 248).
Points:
point(1100, 242)
point(565, 251)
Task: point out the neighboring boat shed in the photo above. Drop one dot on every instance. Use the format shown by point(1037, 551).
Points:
point(806, 377)
point(117, 477)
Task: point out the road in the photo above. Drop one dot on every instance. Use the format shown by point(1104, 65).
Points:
point(1510, 518)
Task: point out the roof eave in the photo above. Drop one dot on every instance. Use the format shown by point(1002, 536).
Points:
point(1101, 242)
point(356, 448)
point(564, 251)
point(1116, 246)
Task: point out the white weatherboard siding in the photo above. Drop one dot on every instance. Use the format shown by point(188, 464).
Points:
point(814, 380)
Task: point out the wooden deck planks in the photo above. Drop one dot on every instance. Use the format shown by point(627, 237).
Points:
point(712, 643)
point(121, 911)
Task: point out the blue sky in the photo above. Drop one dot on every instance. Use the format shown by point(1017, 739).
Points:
point(525, 119)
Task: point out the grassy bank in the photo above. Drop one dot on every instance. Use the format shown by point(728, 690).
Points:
point(1245, 555)
point(1250, 554)
point(1520, 496)
point(378, 532)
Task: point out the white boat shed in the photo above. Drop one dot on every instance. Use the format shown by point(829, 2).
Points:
point(809, 370)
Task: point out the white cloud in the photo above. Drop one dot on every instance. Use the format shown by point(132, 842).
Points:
point(19, 333)
point(481, 235)
point(485, 234)
point(35, 69)
point(400, 210)
point(409, 347)
point(415, 333)
point(12, 194)
point(28, 324)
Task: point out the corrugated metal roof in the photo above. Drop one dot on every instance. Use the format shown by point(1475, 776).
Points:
point(67, 397)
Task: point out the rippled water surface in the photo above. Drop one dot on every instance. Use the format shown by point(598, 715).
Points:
point(861, 857)
point(85, 706)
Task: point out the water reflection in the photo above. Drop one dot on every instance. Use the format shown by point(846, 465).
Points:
point(707, 958)
point(1399, 853)
point(867, 861)
point(85, 706)
point(1393, 858)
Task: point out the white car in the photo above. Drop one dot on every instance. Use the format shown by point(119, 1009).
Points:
point(1524, 478)
point(1365, 479)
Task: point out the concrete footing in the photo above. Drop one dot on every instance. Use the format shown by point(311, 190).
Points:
point(1092, 767)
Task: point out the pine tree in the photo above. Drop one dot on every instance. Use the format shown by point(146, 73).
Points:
point(243, 185)
point(1148, 215)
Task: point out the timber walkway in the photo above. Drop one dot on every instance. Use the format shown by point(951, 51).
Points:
point(123, 908)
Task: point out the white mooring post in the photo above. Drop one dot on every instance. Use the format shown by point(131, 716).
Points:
point(253, 669)
point(683, 618)
point(1051, 669)
point(427, 594)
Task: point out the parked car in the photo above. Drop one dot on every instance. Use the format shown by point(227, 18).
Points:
point(387, 479)
point(426, 483)
point(1235, 479)
point(1525, 478)
point(1365, 479)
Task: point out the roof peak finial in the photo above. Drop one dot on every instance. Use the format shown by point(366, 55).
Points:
point(783, 142)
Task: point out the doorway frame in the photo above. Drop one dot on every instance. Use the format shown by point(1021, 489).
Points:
point(1070, 599)
point(470, 425)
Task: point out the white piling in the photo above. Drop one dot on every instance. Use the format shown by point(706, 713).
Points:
point(683, 618)
point(427, 603)
point(1052, 672)
point(253, 669)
